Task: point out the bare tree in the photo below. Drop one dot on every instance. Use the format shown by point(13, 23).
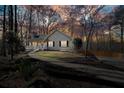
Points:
point(119, 16)
point(11, 41)
point(4, 33)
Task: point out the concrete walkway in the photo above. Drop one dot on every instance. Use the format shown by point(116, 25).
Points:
point(114, 76)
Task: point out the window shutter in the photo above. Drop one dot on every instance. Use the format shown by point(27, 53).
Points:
point(53, 43)
point(59, 43)
point(67, 43)
point(47, 43)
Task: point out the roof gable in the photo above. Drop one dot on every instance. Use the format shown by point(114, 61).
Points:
point(46, 37)
point(56, 32)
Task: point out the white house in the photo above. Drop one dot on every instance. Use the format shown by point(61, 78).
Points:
point(57, 40)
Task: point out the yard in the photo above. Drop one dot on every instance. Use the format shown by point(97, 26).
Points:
point(71, 72)
point(58, 56)
point(76, 58)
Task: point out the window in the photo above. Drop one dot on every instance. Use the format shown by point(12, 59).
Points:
point(51, 44)
point(30, 43)
point(63, 43)
point(39, 43)
point(34, 43)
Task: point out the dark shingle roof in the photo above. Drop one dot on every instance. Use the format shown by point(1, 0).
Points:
point(45, 37)
point(37, 37)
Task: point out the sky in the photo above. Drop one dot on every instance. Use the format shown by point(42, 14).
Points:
point(106, 9)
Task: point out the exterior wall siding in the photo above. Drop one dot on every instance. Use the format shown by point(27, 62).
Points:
point(58, 36)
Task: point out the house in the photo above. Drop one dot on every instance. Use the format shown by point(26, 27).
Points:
point(116, 33)
point(36, 41)
point(57, 40)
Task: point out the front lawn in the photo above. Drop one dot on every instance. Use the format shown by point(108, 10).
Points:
point(58, 56)
point(74, 58)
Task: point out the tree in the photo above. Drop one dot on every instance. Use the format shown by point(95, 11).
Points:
point(77, 43)
point(10, 37)
point(4, 33)
point(88, 22)
point(119, 15)
point(16, 26)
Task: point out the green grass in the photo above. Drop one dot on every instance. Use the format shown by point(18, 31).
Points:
point(57, 55)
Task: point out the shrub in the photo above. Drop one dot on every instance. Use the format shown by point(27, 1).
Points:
point(77, 43)
point(26, 67)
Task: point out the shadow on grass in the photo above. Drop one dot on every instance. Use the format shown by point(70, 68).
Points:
point(98, 64)
point(71, 74)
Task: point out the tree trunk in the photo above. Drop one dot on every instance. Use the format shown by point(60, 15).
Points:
point(11, 29)
point(21, 33)
point(30, 20)
point(16, 26)
point(122, 28)
point(30, 25)
point(4, 32)
point(88, 40)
